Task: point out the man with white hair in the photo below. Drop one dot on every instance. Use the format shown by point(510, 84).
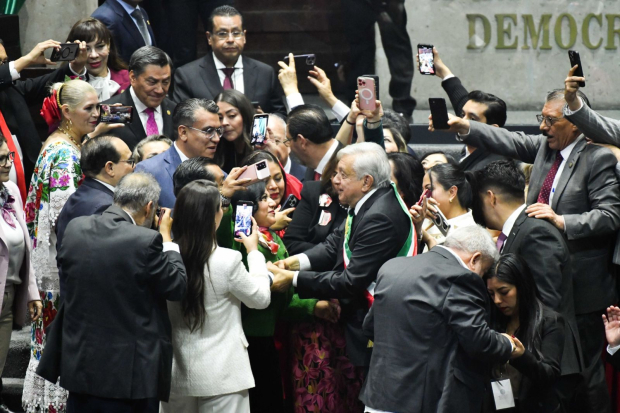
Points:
point(429, 323)
point(345, 265)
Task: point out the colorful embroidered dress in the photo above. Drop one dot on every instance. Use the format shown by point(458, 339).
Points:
point(57, 175)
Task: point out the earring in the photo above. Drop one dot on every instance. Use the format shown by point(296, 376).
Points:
point(451, 200)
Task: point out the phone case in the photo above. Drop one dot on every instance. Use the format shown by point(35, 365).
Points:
point(67, 52)
point(256, 172)
point(376, 79)
point(366, 91)
point(307, 59)
point(575, 59)
point(439, 112)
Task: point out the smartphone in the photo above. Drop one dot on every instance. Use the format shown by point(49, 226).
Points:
point(115, 114)
point(441, 222)
point(259, 129)
point(426, 194)
point(426, 58)
point(376, 78)
point(573, 55)
point(367, 94)
point(256, 172)
point(303, 59)
point(243, 218)
point(66, 53)
point(291, 202)
point(439, 111)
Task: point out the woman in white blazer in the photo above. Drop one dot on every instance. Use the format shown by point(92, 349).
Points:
point(211, 369)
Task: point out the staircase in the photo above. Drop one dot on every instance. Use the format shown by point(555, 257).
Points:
point(15, 369)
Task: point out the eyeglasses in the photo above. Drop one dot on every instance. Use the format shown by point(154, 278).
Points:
point(209, 133)
point(130, 162)
point(4, 160)
point(549, 121)
point(225, 35)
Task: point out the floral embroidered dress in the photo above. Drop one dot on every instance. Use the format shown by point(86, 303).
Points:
point(57, 175)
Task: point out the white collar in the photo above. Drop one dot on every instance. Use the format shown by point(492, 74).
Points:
point(219, 65)
point(455, 256)
point(359, 204)
point(326, 157)
point(129, 213)
point(128, 7)
point(287, 166)
point(181, 154)
point(566, 151)
point(107, 185)
point(510, 222)
point(140, 107)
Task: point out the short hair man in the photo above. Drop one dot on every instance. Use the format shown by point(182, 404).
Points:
point(119, 275)
point(429, 325)
point(275, 143)
point(226, 68)
point(150, 74)
point(193, 169)
point(151, 146)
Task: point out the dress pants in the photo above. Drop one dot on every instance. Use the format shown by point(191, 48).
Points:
point(84, 403)
point(6, 323)
point(226, 403)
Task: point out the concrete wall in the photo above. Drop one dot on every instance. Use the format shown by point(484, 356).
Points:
point(505, 59)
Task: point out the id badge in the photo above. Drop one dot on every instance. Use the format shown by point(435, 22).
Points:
point(325, 218)
point(502, 393)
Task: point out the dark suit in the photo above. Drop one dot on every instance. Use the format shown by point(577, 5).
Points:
point(378, 232)
point(298, 171)
point(133, 133)
point(432, 342)
point(199, 79)
point(111, 338)
point(614, 360)
point(162, 167)
point(309, 177)
point(304, 231)
point(127, 37)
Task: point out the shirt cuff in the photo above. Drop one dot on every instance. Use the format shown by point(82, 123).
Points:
point(340, 110)
point(294, 100)
point(568, 112)
point(450, 76)
point(295, 279)
point(14, 73)
point(81, 75)
point(171, 246)
point(612, 350)
point(304, 262)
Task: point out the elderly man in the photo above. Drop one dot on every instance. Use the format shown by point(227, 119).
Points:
point(573, 186)
point(432, 343)
point(345, 265)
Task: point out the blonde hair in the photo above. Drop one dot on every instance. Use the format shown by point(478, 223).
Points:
point(71, 93)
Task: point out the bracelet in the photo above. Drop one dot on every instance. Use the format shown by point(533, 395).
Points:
point(372, 123)
point(347, 120)
point(225, 200)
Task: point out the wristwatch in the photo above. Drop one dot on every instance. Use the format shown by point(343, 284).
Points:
point(225, 201)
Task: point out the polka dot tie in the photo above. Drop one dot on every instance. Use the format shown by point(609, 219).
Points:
point(545, 191)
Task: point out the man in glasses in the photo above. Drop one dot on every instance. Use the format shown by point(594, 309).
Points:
point(225, 68)
point(574, 186)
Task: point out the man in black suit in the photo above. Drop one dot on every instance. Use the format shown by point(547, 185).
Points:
point(110, 342)
point(128, 23)
point(226, 68)
point(150, 73)
point(378, 228)
point(274, 143)
point(429, 324)
point(105, 160)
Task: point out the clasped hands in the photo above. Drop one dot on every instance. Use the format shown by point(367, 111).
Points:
point(518, 347)
point(283, 271)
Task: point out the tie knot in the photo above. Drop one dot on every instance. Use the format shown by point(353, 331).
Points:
point(502, 237)
point(228, 71)
point(351, 213)
point(559, 157)
point(149, 111)
point(137, 14)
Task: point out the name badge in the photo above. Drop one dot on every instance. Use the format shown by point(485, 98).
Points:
point(502, 393)
point(325, 201)
point(325, 218)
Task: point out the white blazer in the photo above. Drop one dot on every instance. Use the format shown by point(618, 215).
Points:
point(214, 360)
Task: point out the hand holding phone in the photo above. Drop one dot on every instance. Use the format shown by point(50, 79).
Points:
point(575, 60)
point(243, 219)
point(115, 114)
point(256, 172)
point(66, 53)
point(439, 112)
point(259, 129)
point(367, 93)
point(426, 59)
point(250, 242)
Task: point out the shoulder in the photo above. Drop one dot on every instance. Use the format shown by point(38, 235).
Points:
point(169, 104)
point(153, 165)
point(310, 188)
point(598, 153)
point(224, 258)
point(120, 98)
point(105, 12)
point(257, 65)
point(195, 65)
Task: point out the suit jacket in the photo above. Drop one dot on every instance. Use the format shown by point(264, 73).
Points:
point(309, 177)
point(113, 337)
point(134, 132)
point(378, 232)
point(298, 171)
point(543, 246)
point(479, 159)
point(614, 359)
point(26, 291)
point(127, 37)
point(199, 79)
point(162, 167)
point(305, 231)
point(432, 341)
point(591, 216)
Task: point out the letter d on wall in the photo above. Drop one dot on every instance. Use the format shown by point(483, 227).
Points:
point(475, 42)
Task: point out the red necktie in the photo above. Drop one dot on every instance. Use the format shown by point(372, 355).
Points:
point(19, 167)
point(317, 176)
point(228, 83)
point(545, 191)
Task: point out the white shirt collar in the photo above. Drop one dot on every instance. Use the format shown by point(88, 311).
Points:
point(181, 154)
point(510, 222)
point(128, 213)
point(128, 7)
point(107, 185)
point(219, 65)
point(140, 107)
point(566, 151)
point(326, 157)
point(287, 166)
point(455, 256)
point(359, 204)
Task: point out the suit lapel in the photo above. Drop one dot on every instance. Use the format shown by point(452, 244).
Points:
point(172, 160)
point(513, 232)
point(136, 125)
point(166, 114)
point(567, 172)
point(359, 217)
point(473, 158)
point(539, 173)
point(128, 22)
point(210, 76)
point(250, 78)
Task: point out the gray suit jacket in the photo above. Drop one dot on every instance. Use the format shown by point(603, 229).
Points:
point(587, 195)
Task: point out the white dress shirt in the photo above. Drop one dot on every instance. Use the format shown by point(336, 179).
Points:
point(237, 76)
point(130, 9)
point(107, 185)
point(144, 117)
point(510, 222)
point(326, 157)
point(287, 165)
point(612, 350)
point(565, 155)
point(181, 154)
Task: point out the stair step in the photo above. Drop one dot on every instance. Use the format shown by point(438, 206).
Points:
point(12, 393)
point(19, 354)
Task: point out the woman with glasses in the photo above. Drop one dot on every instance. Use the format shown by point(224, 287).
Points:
point(237, 113)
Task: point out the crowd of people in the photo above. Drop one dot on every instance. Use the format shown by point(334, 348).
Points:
point(398, 282)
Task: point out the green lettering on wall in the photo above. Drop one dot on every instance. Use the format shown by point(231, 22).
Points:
point(486, 26)
point(612, 31)
point(543, 26)
point(504, 29)
point(572, 26)
point(585, 30)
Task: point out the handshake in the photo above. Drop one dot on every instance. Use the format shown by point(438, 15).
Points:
point(517, 347)
point(283, 273)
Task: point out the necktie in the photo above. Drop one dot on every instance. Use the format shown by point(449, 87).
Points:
point(17, 163)
point(545, 191)
point(500, 241)
point(151, 125)
point(142, 27)
point(228, 83)
point(317, 176)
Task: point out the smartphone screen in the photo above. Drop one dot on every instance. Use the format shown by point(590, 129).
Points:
point(115, 114)
point(575, 59)
point(66, 53)
point(425, 55)
point(259, 129)
point(439, 111)
point(243, 218)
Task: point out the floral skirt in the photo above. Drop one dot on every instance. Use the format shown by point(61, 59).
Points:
point(324, 379)
point(40, 395)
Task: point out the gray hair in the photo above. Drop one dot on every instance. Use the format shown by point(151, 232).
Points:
point(135, 191)
point(148, 55)
point(472, 239)
point(185, 112)
point(370, 159)
point(558, 94)
point(137, 151)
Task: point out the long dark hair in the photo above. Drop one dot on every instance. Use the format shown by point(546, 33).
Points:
point(409, 173)
point(448, 175)
point(91, 29)
point(194, 230)
point(512, 269)
point(246, 110)
point(262, 155)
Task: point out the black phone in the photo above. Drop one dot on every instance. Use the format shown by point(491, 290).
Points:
point(291, 202)
point(376, 78)
point(259, 129)
point(66, 53)
point(573, 55)
point(303, 59)
point(243, 218)
point(426, 59)
point(439, 111)
point(115, 114)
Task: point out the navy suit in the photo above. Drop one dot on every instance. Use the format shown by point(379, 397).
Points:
point(162, 167)
point(298, 171)
point(127, 37)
